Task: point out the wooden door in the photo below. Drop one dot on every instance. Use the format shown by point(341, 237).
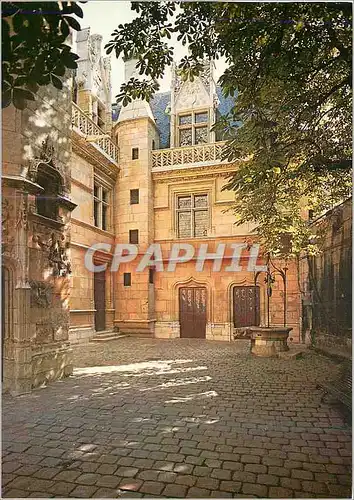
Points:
point(192, 312)
point(100, 300)
point(246, 306)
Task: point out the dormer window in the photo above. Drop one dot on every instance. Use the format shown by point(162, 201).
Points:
point(193, 128)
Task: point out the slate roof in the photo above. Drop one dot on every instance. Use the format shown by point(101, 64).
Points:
point(160, 107)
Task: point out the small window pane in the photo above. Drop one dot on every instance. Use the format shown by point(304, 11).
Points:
point(184, 202)
point(201, 135)
point(185, 119)
point(200, 223)
point(96, 213)
point(200, 200)
point(185, 137)
point(201, 117)
point(184, 224)
point(104, 217)
point(95, 191)
point(134, 236)
point(105, 195)
point(135, 153)
point(127, 279)
point(134, 196)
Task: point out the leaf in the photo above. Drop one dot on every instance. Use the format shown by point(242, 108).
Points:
point(77, 10)
point(64, 28)
point(68, 60)
point(17, 21)
point(6, 99)
point(59, 70)
point(20, 93)
point(58, 84)
point(73, 23)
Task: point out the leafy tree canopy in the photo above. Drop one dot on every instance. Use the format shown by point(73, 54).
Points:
point(291, 67)
point(34, 49)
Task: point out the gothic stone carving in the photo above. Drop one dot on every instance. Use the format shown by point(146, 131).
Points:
point(56, 247)
point(47, 153)
point(41, 294)
point(47, 156)
point(8, 236)
point(22, 220)
point(205, 75)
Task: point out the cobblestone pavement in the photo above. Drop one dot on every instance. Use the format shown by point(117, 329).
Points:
point(178, 418)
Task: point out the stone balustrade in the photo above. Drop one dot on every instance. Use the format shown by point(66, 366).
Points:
point(201, 153)
point(88, 128)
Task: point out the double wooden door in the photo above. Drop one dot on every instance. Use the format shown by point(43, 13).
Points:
point(192, 312)
point(246, 306)
point(100, 300)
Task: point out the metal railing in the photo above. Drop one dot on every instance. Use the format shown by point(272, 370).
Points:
point(202, 153)
point(89, 128)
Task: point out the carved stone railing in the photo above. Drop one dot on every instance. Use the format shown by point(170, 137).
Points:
point(202, 153)
point(81, 122)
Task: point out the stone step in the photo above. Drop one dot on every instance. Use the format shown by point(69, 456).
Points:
point(106, 335)
point(292, 354)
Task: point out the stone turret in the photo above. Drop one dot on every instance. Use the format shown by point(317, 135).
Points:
point(136, 134)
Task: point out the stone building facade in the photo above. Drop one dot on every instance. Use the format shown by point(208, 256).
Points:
point(94, 169)
point(171, 162)
point(36, 210)
point(145, 174)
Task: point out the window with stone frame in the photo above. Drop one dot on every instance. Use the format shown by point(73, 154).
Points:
point(193, 128)
point(51, 183)
point(101, 197)
point(192, 216)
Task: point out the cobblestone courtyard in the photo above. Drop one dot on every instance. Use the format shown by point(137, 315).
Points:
point(178, 418)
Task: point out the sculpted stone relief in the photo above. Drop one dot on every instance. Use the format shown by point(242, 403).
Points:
point(55, 245)
point(41, 293)
point(8, 234)
point(46, 156)
point(205, 77)
point(22, 221)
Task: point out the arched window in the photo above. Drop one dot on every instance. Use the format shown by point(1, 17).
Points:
point(47, 201)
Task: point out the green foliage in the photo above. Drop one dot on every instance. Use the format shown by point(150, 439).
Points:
point(291, 66)
point(34, 52)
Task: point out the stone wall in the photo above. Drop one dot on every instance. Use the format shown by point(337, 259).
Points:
point(35, 248)
point(328, 307)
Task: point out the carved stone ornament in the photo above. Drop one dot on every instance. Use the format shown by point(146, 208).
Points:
point(177, 84)
point(94, 45)
point(47, 153)
point(7, 236)
point(46, 156)
point(41, 294)
point(216, 101)
point(22, 220)
point(58, 258)
point(56, 248)
point(82, 79)
point(205, 75)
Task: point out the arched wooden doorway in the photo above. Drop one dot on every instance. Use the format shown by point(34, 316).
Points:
point(193, 312)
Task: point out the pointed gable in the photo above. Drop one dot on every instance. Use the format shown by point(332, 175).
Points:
point(192, 95)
